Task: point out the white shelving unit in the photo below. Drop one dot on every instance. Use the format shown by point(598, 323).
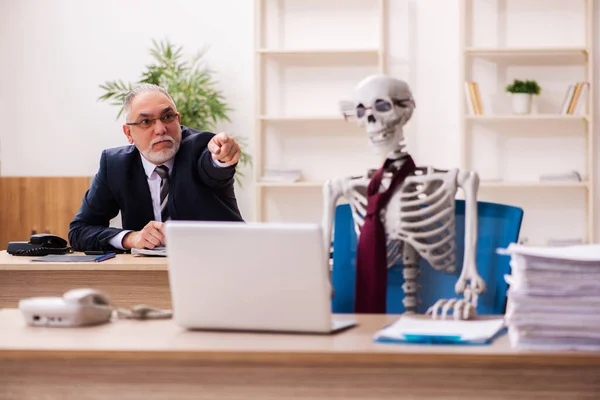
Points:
point(533, 185)
point(542, 125)
point(310, 57)
point(320, 52)
point(533, 117)
point(528, 51)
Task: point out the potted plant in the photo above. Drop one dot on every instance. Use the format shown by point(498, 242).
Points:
point(200, 103)
point(522, 93)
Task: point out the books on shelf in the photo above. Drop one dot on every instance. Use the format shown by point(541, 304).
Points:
point(564, 242)
point(554, 297)
point(575, 99)
point(572, 176)
point(282, 175)
point(347, 108)
point(473, 96)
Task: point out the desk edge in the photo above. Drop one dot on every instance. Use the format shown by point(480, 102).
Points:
point(316, 358)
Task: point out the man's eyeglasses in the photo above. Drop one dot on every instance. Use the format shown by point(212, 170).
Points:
point(148, 122)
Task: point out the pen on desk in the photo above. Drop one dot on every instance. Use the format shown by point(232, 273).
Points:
point(105, 257)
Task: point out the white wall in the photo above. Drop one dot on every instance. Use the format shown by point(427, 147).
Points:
point(55, 53)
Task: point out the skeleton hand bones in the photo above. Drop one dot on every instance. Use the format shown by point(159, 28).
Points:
point(461, 308)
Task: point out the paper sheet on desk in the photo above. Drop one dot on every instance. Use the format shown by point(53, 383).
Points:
point(424, 330)
point(583, 252)
point(159, 251)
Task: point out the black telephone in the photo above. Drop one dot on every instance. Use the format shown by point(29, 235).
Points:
point(40, 244)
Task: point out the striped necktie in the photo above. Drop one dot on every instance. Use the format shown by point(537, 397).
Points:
point(163, 172)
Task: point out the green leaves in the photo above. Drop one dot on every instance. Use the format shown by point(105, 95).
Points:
point(115, 93)
point(199, 101)
point(529, 87)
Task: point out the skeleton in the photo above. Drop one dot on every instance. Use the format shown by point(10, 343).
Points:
point(419, 218)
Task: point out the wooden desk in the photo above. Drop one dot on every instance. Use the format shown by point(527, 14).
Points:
point(128, 280)
point(158, 360)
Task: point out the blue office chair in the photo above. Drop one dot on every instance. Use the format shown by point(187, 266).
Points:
point(498, 226)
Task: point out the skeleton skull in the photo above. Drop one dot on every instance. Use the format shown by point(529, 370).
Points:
point(383, 105)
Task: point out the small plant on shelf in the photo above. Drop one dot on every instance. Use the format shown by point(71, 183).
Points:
point(522, 93)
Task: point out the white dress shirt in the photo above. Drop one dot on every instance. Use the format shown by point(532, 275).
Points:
point(154, 185)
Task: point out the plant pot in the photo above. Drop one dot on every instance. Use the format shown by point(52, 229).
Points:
point(521, 103)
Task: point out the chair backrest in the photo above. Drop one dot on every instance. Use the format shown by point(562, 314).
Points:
point(498, 226)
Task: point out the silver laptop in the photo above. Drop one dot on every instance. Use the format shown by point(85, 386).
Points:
point(250, 276)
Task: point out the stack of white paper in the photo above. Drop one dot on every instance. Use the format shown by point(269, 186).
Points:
point(554, 297)
point(158, 251)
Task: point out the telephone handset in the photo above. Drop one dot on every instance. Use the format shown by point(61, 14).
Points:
point(40, 244)
point(81, 307)
point(77, 307)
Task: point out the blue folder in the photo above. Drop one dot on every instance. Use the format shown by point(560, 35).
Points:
point(74, 258)
point(423, 330)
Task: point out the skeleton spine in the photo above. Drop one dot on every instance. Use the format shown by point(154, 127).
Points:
point(410, 301)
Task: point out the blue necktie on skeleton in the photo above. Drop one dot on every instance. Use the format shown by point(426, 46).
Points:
point(163, 172)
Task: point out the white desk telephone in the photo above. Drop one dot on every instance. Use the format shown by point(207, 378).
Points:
point(77, 307)
point(80, 307)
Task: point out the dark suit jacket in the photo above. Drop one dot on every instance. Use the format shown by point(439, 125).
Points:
point(198, 190)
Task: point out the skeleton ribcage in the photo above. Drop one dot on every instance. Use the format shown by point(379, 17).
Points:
point(420, 212)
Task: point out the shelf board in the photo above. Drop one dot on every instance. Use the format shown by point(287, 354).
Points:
point(533, 184)
point(303, 118)
point(530, 117)
point(537, 243)
point(533, 51)
point(485, 184)
point(318, 52)
point(307, 184)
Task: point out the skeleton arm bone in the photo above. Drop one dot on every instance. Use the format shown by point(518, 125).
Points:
point(469, 182)
point(332, 191)
point(469, 282)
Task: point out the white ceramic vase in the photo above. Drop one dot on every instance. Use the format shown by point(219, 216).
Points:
point(521, 103)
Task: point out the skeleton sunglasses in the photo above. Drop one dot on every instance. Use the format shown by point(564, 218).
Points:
point(349, 110)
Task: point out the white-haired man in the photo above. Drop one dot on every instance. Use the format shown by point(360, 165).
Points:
point(168, 171)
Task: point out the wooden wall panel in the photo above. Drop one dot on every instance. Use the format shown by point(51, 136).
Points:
point(38, 204)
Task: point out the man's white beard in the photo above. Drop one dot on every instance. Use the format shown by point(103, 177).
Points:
point(161, 156)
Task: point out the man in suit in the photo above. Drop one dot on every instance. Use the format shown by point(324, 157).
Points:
point(168, 171)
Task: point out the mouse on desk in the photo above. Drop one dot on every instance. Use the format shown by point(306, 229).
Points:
point(77, 307)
